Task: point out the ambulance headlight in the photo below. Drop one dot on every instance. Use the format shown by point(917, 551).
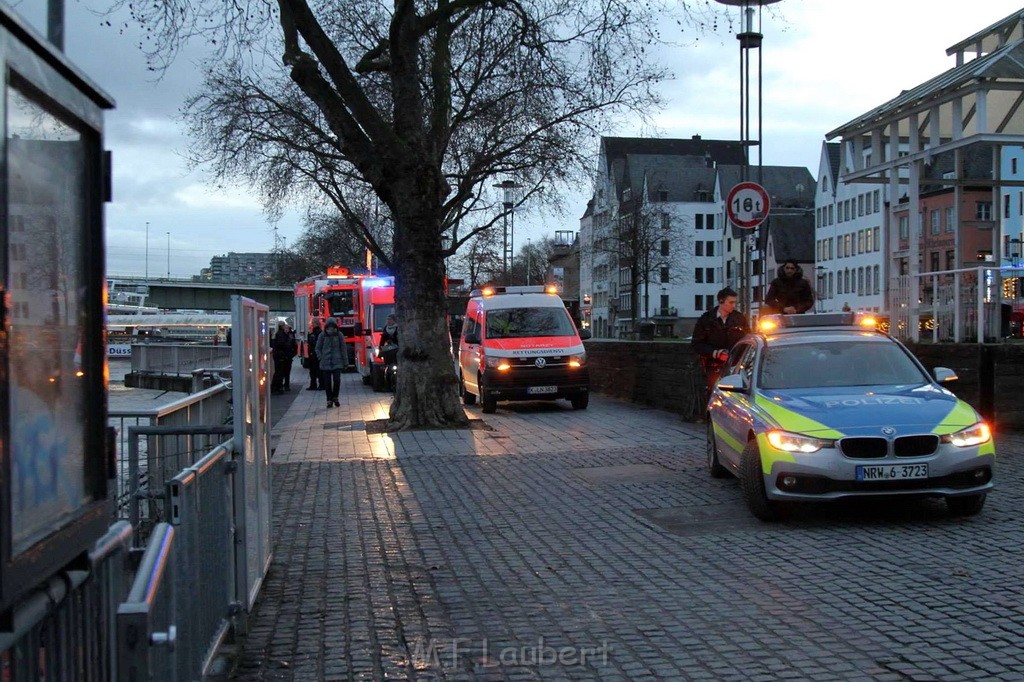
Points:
point(500, 364)
point(975, 434)
point(794, 442)
point(578, 360)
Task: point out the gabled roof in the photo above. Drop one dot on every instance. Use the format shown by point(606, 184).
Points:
point(991, 37)
point(792, 235)
point(718, 151)
point(786, 185)
point(680, 176)
point(833, 150)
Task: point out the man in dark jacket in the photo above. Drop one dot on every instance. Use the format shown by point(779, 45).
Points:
point(716, 332)
point(282, 347)
point(312, 360)
point(789, 293)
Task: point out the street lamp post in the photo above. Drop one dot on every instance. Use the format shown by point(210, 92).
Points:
point(508, 188)
point(168, 255)
point(147, 249)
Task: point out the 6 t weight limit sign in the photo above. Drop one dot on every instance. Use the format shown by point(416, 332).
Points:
point(747, 205)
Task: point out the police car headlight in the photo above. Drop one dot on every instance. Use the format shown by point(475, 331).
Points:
point(578, 360)
point(973, 435)
point(794, 442)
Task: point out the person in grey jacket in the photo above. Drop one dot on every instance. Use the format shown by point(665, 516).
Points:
point(333, 356)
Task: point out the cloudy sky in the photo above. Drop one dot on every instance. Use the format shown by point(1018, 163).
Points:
point(824, 63)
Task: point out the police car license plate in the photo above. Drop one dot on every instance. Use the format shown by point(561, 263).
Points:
point(891, 472)
point(534, 390)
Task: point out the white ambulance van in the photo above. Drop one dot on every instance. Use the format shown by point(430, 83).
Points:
point(520, 343)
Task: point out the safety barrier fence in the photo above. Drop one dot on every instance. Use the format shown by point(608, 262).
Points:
point(177, 358)
point(66, 629)
point(973, 305)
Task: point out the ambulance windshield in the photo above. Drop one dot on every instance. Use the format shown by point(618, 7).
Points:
point(512, 323)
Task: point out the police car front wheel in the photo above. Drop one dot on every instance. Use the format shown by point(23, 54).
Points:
point(752, 482)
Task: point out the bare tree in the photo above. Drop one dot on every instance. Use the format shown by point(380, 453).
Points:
point(651, 244)
point(426, 102)
point(478, 262)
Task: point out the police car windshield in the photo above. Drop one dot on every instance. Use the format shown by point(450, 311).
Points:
point(837, 363)
point(513, 323)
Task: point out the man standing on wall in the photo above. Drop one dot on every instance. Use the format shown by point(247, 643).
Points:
point(789, 293)
point(717, 331)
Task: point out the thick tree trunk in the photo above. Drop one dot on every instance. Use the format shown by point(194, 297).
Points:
point(427, 393)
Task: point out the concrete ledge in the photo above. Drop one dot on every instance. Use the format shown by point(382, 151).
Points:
point(162, 382)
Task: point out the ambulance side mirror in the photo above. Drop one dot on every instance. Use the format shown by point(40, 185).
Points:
point(584, 334)
point(472, 338)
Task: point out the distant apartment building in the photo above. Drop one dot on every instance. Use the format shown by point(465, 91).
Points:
point(651, 237)
point(243, 268)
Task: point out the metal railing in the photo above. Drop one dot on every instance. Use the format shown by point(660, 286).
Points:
point(209, 407)
point(177, 359)
point(66, 628)
point(146, 633)
point(955, 306)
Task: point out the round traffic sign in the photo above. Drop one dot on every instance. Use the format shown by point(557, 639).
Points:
point(747, 205)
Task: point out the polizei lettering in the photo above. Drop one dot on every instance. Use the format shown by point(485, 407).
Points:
point(874, 400)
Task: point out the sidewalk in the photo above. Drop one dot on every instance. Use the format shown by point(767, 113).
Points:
point(593, 545)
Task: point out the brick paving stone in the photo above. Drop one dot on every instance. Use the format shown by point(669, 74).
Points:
point(462, 555)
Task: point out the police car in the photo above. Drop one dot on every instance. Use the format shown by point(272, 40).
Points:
point(821, 407)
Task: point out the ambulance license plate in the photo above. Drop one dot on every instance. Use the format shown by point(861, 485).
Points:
point(536, 390)
point(892, 472)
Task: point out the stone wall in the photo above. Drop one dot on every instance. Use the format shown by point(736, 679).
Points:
point(668, 376)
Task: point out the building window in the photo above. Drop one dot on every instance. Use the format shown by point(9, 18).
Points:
point(877, 203)
point(860, 242)
point(877, 283)
point(664, 274)
point(1013, 166)
point(949, 219)
point(983, 210)
point(934, 257)
point(830, 294)
point(665, 221)
point(878, 239)
point(860, 281)
point(710, 251)
point(951, 260)
point(698, 303)
point(698, 221)
point(1006, 205)
point(904, 227)
point(860, 204)
point(831, 213)
point(664, 301)
point(662, 195)
point(710, 224)
point(709, 275)
point(698, 275)
point(698, 248)
point(664, 247)
point(936, 221)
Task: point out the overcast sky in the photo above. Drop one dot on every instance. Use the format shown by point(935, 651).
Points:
point(824, 63)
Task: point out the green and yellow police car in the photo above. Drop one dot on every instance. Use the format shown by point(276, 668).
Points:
point(822, 407)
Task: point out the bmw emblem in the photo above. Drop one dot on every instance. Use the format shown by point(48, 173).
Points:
point(540, 362)
point(888, 430)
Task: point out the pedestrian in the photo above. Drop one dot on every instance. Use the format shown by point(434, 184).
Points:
point(389, 341)
point(312, 360)
point(789, 293)
point(330, 349)
point(293, 350)
point(846, 307)
point(716, 332)
point(282, 350)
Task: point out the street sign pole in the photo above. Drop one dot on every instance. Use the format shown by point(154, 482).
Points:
point(747, 206)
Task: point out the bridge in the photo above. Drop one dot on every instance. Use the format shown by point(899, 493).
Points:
point(186, 294)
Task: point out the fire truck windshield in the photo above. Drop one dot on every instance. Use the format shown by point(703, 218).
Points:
point(341, 304)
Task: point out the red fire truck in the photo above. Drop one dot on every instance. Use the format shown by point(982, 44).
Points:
point(337, 294)
point(378, 299)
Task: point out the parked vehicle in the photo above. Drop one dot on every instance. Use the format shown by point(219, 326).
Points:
point(378, 301)
point(520, 343)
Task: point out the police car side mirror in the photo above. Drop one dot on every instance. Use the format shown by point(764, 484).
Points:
point(584, 334)
point(944, 374)
point(733, 382)
point(472, 339)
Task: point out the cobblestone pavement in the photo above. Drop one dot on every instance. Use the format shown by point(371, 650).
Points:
point(593, 545)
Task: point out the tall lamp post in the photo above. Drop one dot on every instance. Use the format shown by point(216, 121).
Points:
point(168, 255)
point(508, 196)
point(147, 249)
point(749, 40)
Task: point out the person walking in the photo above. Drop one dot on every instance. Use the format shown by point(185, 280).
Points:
point(330, 349)
point(789, 293)
point(282, 348)
point(716, 332)
point(293, 349)
point(312, 360)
